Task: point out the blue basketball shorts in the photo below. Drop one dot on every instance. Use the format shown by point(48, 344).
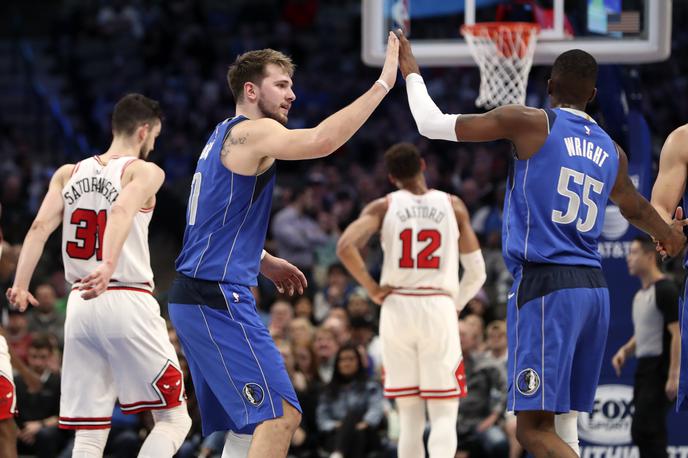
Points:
point(238, 373)
point(682, 398)
point(557, 323)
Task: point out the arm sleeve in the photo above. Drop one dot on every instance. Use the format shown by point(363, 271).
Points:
point(666, 296)
point(431, 122)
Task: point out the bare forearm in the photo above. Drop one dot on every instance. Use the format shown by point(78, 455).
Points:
point(629, 347)
point(354, 263)
point(31, 252)
point(675, 354)
point(337, 129)
point(116, 232)
point(643, 216)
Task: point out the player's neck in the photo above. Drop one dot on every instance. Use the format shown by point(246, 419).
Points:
point(120, 147)
point(572, 106)
point(417, 186)
point(250, 111)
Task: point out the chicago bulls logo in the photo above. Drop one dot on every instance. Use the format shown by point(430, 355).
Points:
point(170, 385)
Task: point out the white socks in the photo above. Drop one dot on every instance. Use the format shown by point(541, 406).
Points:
point(443, 414)
point(168, 434)
point(566, 425)
point(411, 427)
point(89, 443)
point(237, 445)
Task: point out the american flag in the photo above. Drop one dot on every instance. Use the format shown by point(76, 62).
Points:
point(626, 22)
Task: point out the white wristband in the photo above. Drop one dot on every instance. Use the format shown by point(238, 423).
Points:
point(262, 255)
point(384, 85)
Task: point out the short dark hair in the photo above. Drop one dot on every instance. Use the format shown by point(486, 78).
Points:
point(42, 342)
point(403, 161)
point(131, 111)
point(574, 74)
point(250, 66)
point(648, 246)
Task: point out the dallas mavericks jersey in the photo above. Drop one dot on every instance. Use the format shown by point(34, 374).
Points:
point(226, 219)
point(555, 203)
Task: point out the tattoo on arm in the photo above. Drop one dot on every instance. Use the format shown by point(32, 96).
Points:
point(232, 140)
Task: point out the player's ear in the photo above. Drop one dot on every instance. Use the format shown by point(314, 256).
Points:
point(592, 96)
point(391, 179)
point(250, 92)
point(142, 132)
point(423, 166)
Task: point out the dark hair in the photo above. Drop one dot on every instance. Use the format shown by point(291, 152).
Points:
point(131, 111)
point(338, 379)
point(574, 74)
point(648, 246)
point(337, 267)
point(42, 342)
point(250, 66)
point(403, 161)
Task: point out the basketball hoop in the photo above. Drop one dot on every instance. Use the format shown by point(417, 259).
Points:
point(504, 53)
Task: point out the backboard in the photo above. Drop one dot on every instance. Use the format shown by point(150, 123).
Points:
point(614, 31)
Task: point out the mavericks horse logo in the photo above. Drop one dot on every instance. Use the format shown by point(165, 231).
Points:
point(253, 394)
point(528, 382)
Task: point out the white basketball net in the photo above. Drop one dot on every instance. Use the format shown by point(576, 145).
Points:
point(504, 53)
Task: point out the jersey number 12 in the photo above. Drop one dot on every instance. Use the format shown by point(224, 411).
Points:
point(425, 258)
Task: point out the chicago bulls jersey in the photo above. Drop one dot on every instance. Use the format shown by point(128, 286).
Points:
point(88, 196)
point(420, 240)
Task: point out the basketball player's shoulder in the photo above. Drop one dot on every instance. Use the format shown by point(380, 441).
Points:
point(680, 135)
point(377, 207)
point(63, 174)
point(145, 169)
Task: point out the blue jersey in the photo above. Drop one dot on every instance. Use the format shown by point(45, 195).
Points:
point(555, 202)
point(226, 219)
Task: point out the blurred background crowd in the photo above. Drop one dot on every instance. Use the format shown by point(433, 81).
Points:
point(61, 73)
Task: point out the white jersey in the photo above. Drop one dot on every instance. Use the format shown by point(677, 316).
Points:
point(88, 197)
point(420, 240)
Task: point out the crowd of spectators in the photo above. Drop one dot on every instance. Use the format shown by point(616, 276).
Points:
point(177, 52)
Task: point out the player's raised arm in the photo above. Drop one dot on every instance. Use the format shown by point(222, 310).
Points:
point(47, 219)
point(268, 137)
point(638, 211)
point(671, 179)
point(507, 122)
point(471, 257)
point(145, 180)
point(354, 238)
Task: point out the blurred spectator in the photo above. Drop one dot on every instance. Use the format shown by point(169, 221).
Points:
point(18, 336)
point(480, 306)
point(477, 426)
point(478, 325)
point(359, 306)
point(39, 408)
point(281, 314)
point(350, 409)
point(306, 361)
point(496, 342)
point(363, 336)
point(303, 308)
point(336, 292)
point(339, 324)
point(45, 317)
point(326, 347)
point(296, 233)
point(301, 331)
point(304, 443)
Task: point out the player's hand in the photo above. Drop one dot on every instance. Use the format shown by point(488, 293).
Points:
point(618, 361)
point(96, 283)
point(407, 61)
point(389, 69)
point(286, 276)
point(19, 298)
point(378, 293)
point(28, 433)
point(674, 244)
point(671, 388)
point(361, 425)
